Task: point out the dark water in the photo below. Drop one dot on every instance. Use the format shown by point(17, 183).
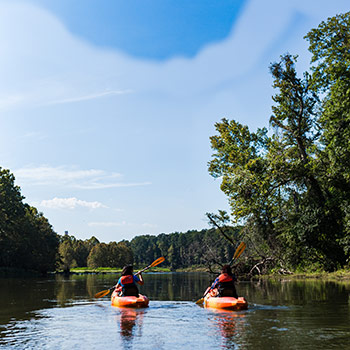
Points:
point(61, 313)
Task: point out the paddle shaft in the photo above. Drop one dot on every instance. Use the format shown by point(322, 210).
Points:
point(155, 263)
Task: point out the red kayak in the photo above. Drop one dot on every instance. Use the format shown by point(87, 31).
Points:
point(227, 303)
point(136, 302)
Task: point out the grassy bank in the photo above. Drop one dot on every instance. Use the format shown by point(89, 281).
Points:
point(337, 275)
point(104, 270)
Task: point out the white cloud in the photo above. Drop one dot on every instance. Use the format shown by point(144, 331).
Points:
point(69, 203)
point(89, 97)
point(70, 177)
point(101, 186)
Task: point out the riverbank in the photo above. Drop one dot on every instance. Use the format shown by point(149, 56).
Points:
point(108, 270)
point(337, 275)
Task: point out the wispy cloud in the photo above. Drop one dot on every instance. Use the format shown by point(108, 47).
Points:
point(90, 179)
point(69, 203)
point(88, 97)
point(108, 224)
point(9, 101)
point(35, 135)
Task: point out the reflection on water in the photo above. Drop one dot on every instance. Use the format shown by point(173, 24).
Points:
point(229, 326)
point(130, 325)
point(61, 313)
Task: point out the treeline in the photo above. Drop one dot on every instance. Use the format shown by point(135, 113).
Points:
point(181, 250)
point(291, 185)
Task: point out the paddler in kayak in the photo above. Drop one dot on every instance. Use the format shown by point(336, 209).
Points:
point(127, 283)
point(224, 284)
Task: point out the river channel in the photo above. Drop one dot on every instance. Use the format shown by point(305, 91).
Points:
point(60, 313)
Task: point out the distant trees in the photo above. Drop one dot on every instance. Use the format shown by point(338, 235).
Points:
point(110, 255)
point(291, 188)
point(202, 248)
point(91, 253)
point(181, 250)
point(27, 240)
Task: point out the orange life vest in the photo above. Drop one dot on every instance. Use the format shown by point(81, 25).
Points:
point(226, 286)
point(129, 279)
point(224, 277)
point(129, 287)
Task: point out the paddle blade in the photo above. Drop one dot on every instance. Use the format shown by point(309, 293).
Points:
point(158, 261)
point(239, 251)
point(102, 293)
point(200, 301)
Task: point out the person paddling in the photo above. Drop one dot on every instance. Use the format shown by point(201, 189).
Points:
point(127, 283)
point(224, 285)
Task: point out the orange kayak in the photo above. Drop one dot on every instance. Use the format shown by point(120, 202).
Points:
point(140, 301)
point(228, 303)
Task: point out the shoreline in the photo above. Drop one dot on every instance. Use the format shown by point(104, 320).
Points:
point(341, 275)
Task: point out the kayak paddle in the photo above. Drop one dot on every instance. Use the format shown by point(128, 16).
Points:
point(236, 255)
point(238, 252)
point(105, 292)
point(155, 263)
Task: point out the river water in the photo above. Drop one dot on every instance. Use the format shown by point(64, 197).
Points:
point(61, 313)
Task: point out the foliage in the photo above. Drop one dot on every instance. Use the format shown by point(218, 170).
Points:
point(182, 250)
point(27, 240)
point(110, 255)
point(290, 188)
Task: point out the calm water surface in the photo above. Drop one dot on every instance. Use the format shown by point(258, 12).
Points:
point(61, 313)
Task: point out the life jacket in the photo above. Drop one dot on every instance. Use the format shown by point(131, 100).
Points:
point(129, 287)
point(226, 286)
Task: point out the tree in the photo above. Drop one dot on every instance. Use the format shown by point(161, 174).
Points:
point(329, 45)
point(297, 138)
point(66, 252)
point(27, 240)
point(98, 256)
point(42, 242)
point(292, 189)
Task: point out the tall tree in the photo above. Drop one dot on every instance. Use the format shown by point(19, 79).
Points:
point(27, 240)
point(280, 185)
point(330, 48)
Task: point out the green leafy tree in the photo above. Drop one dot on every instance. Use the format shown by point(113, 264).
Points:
point(67, 256)
point(292, 189)
point(42, 241)
point(330, 48)
point(294, 154)
point(27, 240)
point(98, 256)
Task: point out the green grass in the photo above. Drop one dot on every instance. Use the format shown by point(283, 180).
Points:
point(336, 275)
point(113, 270)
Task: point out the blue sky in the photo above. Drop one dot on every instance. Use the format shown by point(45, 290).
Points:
point(106, 109)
